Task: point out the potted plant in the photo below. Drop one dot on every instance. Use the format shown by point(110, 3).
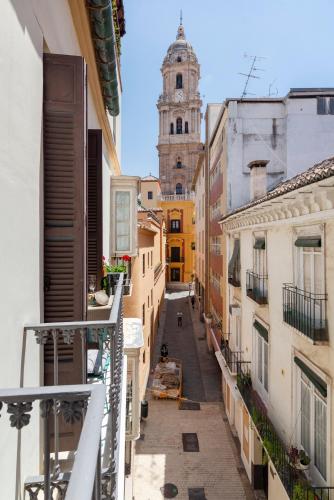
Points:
point(113, 271)
point(298, 458)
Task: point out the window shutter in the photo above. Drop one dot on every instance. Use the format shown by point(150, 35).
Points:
point(260, 244)
point(331, 105)
point(95, 223)
point(64, 132)
point(308, 241)
point(261, 330)
point(313, 377)
point(235, 259)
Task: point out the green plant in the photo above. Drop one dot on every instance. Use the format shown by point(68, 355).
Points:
point(269, 448)
point(299, 492)
point(117, 268)
point(304, 458)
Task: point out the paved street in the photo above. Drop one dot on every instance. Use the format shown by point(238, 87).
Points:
point(160, 458)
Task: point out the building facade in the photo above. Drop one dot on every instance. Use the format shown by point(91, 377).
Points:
point(282, 134)
point(277, 361)
point(178, 146)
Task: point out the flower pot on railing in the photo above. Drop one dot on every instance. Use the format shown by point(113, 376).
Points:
point(113, 278)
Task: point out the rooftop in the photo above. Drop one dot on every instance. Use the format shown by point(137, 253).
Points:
point(318, 172)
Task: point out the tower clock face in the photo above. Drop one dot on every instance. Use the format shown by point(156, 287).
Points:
point(179, 95)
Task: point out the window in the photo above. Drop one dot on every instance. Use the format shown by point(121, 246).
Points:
point(179, 126)
point(215, 245)
point(122, 220)
point(148, 301)
point(179, 164)
point(172, 128)
point(151, 258)
point(144, 356)
point(261, 354)
point(235, 322)
point(148, 259)
point(179, 59)
point(178, 188)
point(143, 263)
point(325, 105)
point(259, 256)
point(175, 226)
point(193, 246)
point(143, 314)
point(312, 412)
point(152, 297)
point(310, 275)
point(179, 81)
point(234, 264)
point(150, 195)
point(175, 254)
point(186, 130)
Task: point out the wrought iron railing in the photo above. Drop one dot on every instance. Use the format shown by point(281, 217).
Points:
point(294, 481)
point(107, 337)
point(257, 287)
point(73, 403)
point(233, 359)
point(234, 278)
point(305, 311)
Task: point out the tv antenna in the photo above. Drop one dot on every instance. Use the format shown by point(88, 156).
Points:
point(250, 73)
point(272, 92)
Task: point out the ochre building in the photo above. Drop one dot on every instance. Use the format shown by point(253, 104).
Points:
point(179, 145)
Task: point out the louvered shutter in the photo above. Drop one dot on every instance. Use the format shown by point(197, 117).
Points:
point(64, 127)
point(95, 205)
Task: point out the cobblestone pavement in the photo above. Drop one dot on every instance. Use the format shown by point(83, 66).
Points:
point(159, 455)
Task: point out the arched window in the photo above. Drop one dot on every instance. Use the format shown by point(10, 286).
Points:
point(179, 59)
point(179, 81)
point(172, 128)
point(179, 164)
point(178, 188)
point(179, 126)
point(186, 128)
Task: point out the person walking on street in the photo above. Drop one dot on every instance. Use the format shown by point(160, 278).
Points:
point(179, 316)
point(193, 301)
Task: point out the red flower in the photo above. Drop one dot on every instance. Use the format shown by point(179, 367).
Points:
point(126, 258)
point(103, 258)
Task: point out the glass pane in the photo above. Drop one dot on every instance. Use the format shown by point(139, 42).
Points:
point(123, 220)
point(305, 414)
point(318, 288)
point(307, 270)
point(259, 358)
point(320, 435)
point(265, 365)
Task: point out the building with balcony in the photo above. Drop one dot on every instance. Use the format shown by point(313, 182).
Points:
point(277, 359)
point(63, 379)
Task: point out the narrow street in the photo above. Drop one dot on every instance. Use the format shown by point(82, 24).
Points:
point(215, 471)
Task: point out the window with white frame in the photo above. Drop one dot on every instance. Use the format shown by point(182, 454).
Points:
point(259, 256)
point(261, 346)
point(235, 322)
point(123, 222)
point(310, 264)
point(312, 415)
point(215, 245)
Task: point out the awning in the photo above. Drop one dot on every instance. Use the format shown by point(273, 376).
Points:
point(103, 35)
point(308, 241)
point(260, 244)
point(313, 377)
point(261, 330)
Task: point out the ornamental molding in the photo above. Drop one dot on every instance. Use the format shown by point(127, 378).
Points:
point(311, 202)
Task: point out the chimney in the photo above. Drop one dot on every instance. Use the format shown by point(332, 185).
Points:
point(258, 179)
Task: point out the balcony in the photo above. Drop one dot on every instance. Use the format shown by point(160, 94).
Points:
point(175, 229)
point(233, 359)
point(257, 287)
point(177, 197)
point(293, 480)
point(174, 259)
point(306, 312)
point(84, 423)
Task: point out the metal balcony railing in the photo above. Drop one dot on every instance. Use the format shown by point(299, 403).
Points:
point(294, 481)
point(305, 311)
point(257, 287)
point(108, 375)
point(233, 359)
point(234, 277)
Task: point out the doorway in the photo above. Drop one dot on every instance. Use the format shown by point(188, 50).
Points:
point(175, 274)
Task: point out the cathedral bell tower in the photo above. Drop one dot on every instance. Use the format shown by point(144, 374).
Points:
point(179, 117)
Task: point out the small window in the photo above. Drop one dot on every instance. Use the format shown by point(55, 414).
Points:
point(152, 297)
point(321, 105)
point(179, 126)
point(143, 263)
point(150, 195)
point(179, 164)
point(144, 357)
point(186, 131)
point(261, 353)
point(143, 314)
point(179, 81)
point(151, 258)
point(179, 59)
point(172, 128)
point(178, 188)
point(193, 245)
point(148, 301)
point(175, 226)
point(148, 259)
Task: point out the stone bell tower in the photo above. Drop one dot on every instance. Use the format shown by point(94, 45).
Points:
point(179, 108)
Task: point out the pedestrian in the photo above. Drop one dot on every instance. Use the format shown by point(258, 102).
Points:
point(164, 351)
point(193, 301)
point(179, 316)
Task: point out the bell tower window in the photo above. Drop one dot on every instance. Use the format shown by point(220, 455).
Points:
point(179, 59)
point(179, 81)
point(179, 126)
point(172, 128)
point(178, 188)
point(186, 131)
point(179, 163)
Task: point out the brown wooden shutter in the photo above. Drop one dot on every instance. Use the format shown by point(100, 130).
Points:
point(64, 128)
point(95, 205)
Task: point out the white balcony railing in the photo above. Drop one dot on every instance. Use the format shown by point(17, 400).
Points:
point(177, 197)
point(96, 408)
